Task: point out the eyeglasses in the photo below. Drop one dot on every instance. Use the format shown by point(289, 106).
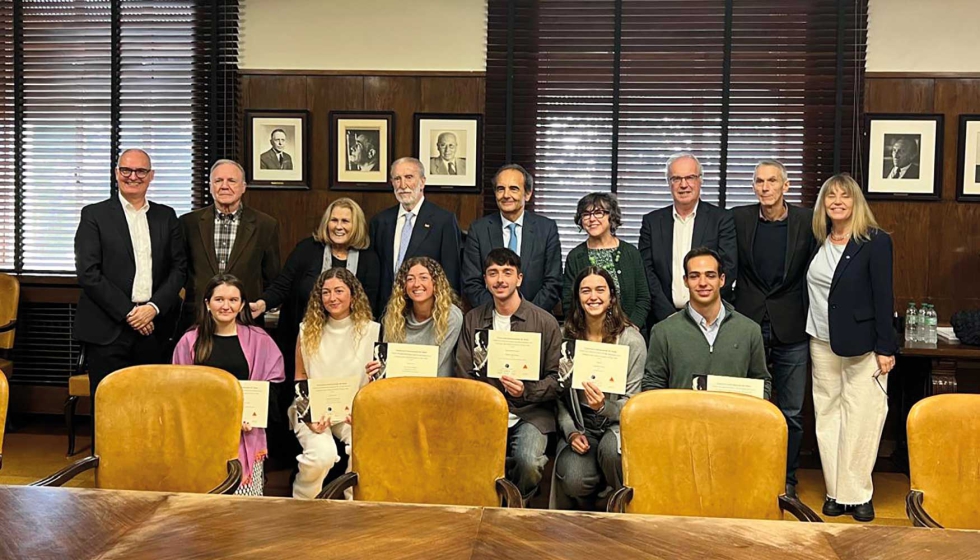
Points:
point(140, 172)
point(596, 214)
point(689, 179)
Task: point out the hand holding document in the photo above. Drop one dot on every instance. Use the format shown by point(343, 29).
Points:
point(604, 365)
point(255, 403)
point(514, 354)
point(406, 360)
point(725, 384)
point(331, 398)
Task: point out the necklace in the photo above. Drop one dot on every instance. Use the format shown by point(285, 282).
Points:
point(839, 237)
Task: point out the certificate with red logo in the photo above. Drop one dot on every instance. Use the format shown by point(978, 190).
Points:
point(604, 365)
point(514, 354)
point(331, 397)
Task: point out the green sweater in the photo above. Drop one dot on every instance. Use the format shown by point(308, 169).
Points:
point(679, 351)
point(635, 291)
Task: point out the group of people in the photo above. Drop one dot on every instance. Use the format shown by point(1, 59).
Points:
point(760, 291)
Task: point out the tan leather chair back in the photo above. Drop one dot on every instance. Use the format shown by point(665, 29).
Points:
point(4, 400)
point(703, 454)
point(434, 441)
point(944, 454)
point(167, 428)
point(9, 302)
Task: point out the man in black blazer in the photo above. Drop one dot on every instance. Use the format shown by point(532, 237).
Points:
point(669, 233)
point(775, 243)
point(130, 262)
point(533, 237)
point(905, 158)
point(276, 158)
point(431, 231)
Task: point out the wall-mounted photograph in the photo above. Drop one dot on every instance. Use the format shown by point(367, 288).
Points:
point(277, 148)
point(968, 160)
point(361, 144)
point(902, 156)
point(451, 147)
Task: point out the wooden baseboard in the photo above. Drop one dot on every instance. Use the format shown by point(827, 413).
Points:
point(43, 399)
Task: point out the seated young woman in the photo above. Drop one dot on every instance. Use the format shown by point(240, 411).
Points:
point(588, 460)
point(225, 338)
point(423, 309)
point(336, 339)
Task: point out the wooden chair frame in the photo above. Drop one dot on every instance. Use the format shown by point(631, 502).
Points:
point(620, 498)
point(509, 495)
point(917, 513)
point(228, 486)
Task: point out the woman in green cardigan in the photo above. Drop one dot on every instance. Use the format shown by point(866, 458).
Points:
point(599, 215)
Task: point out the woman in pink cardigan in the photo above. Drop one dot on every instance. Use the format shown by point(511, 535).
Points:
point(224, 337)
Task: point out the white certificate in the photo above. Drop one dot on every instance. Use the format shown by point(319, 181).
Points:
point(725, 384)
point(407, 360)
point(332, 397)
point(602, 364)
point(514, 354)
point(255, 403)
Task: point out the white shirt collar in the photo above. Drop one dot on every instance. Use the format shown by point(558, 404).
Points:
point(518, 221)
point(413, 211)
point(702, 322)
point(689, 216)
point(127, 206)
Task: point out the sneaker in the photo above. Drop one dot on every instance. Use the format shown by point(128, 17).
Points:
point(864, 512)
point(831, 508)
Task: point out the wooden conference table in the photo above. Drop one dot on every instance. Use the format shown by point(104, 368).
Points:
point(41, 523)
point(944, 360)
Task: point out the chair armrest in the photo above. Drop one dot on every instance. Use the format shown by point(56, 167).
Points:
point(619, 500)
point(232, 481)
point(510, 496)
point(917, 512)
point(69, 472)
point(335, 490)
point(799, 510)
point(9, 326)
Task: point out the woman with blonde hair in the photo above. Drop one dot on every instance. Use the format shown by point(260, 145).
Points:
point(423, 309)
point(336, 339)
point(852, 342)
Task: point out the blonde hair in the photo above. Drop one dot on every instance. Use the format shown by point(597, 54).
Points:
point(400, 305)
point(316, 315)
point(862, 219)
point(359, 232)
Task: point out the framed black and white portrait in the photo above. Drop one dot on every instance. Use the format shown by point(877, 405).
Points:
point(360, 147)
point(450, 147)
point(277, 148)
point(968, 160)
point(903, 156)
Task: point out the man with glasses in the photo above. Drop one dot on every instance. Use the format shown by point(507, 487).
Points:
point(533, 237)
point(708, 337)
point(669, 233)
point(130, 262)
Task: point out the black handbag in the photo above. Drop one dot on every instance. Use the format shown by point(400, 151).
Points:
point(966, 325)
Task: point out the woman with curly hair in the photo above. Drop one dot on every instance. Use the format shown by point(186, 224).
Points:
point(336, 339)
point(423, 309)
point(588, 459)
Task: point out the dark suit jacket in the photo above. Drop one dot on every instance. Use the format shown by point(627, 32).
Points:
point(435, 235)
point(713, 228)
point(254, 257)
point(911, 173)
point(540, 259)
point(106, 266)
point(861, 299)
point(787, 303)
point(268, 160)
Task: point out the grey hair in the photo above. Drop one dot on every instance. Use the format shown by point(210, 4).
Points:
point(418, 165)
point(773, 163)
point(679, 156)
point(126, 151)
point(224, 161)
point(528, 178)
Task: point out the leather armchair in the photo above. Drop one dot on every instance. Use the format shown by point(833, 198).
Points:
point(428, 441)
point(944, 451)
point(9, 304)
point(165, 428)
point(704, 454)
point(4, 400)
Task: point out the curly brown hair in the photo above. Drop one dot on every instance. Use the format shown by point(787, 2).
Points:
point(400, 305)
point(615, 321)
point(316, 315)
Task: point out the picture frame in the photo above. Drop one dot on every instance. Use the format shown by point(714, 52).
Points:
point(277, 148)
point(903, 156)
point(968, 159)
point(361, 146)
point(450, 146)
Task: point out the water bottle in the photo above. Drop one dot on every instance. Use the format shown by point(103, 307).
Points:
point(920, 324)
point(931, 320)
point(910, 322)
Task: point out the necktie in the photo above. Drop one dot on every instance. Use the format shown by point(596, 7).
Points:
point(512, 243)
point(406, 238)
point(452, 168)
point(280, 160)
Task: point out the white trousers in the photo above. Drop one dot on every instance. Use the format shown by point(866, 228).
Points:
point(850, 409)
point(318, 457)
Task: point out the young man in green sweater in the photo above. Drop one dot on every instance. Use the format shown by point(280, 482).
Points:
point(707, 337)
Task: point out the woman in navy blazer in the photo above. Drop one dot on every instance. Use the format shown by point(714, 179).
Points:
point(852, 342)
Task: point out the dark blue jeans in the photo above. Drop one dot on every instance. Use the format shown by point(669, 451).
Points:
point(787, 364)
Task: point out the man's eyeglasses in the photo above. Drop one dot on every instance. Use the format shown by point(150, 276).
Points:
point(596, 214)
point(140, 172)
point(689, 179)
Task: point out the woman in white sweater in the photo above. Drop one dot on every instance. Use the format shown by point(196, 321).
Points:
point(336, 339)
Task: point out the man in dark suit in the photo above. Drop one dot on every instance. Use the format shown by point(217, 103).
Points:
point(414, 227)
point(669, 233)
point(905, 158)
point(228, 238)
point(775, 243)
point(276, 158)
point(533, 237)
point(446, 163)
point(130, 262)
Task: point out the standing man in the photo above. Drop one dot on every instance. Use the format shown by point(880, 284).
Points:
point(413, 228)
point(531, 236)
point(276, 158)
point(228, 238)
point(531, 403)
point(775, 243)
point(669, 233)
point(130, 262)
point(447, 163)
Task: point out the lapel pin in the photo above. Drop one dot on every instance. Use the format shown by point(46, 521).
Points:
point(425, 225)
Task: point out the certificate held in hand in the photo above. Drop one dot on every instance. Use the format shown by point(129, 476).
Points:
point(603, 365)
point(725, 384)
point(514, 354)
point(331, 398)
point(406, 360)
point(255, 403)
